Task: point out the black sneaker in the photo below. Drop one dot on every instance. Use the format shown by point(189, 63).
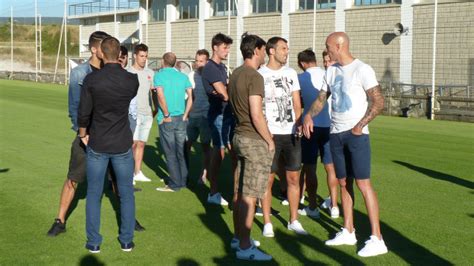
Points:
point(93, 249)
point(57, 228)
point(127, 247)
point(138, 226)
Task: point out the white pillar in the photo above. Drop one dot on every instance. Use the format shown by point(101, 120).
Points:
point(406, 41)
point(288, 6)
point(204, 13)
point(340, 14)
point(171, 15)
point(142, 22)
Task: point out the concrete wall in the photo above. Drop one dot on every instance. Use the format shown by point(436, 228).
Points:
point(372, 40)
point(301, 33)
point(264, 25)
point(184, 38)
point(455, 44)
point(157, 39)
point(127, 29)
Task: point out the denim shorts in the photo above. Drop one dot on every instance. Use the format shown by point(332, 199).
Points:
point(222, 130)
point(351, 155)
point(142, 130)
point(317, 144)
point(198, 127)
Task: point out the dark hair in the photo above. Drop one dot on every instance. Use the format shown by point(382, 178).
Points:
point(219, 39)
point(96, 37)
point(249, 43)
point(123, 51)
point(111, 48)
point(140, 48)
point(271, 43)
point(325, 53)
point(306, 56)
point(203, 52)
point(169, 59)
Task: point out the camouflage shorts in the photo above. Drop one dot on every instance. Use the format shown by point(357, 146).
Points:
point(253, 166)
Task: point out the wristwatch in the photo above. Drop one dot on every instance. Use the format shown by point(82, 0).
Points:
point(166, 116)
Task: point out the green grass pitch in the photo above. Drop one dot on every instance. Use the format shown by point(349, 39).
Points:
point(423, 172)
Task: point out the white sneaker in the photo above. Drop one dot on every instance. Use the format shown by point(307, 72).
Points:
point(297, 228)
point(252, 253)
point(268, 230)
point(285, 202)
point(258, 212)
point(141, 177)
point(235, 243)
point(308, 212)
point(302, 200)
point(373, 247)
point(343, 238)
point(334, 212)
point(326, 203)
point(216, 199)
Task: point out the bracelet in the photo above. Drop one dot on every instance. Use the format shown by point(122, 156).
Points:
point(82, 136)
point(166, 116)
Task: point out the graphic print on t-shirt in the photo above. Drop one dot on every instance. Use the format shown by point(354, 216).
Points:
point(341, 102)
point(280, 100)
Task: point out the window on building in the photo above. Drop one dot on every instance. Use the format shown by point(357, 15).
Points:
point(90, 21)
point(375, 2)
point(129, 18)
point(321, 4)
point(157, 11)
point(266, 6)
point(188, 9)
point(221, 8)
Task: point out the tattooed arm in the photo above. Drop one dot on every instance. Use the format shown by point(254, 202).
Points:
point(314, 110)
point(376, 103)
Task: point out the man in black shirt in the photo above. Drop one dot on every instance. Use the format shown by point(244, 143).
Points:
point(105, 130)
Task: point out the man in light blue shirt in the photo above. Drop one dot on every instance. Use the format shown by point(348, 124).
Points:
point(172, 86)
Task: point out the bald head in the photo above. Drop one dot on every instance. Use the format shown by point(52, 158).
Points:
point(169, 59)
point(337, 46)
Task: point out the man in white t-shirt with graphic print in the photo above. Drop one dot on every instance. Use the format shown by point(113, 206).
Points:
point(351, 82)
point(283, 111)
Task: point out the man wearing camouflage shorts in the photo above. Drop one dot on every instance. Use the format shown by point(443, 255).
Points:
point(253, 146)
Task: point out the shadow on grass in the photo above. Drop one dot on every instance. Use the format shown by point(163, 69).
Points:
point(187, 262)
point(438, 175)
point(90, 260)
point(153, 158)
point(4, 170)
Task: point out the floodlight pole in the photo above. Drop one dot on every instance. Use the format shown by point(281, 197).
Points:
point(433, 77)
point(11, 41)
point(115, 20)
point(36, 40)
point(314, 24)
point(65, 43)
point(146, 25)
point(228, 28)
point(59, 49)
point(40, 42)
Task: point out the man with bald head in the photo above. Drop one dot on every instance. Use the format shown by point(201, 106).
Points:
point(352, 85)
point(172, 86)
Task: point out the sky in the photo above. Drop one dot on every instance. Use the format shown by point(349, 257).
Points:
point(26, 8)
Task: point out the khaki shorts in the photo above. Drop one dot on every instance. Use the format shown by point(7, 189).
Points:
point(253, 166)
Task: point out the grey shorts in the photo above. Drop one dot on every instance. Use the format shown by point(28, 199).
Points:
point(253, 166)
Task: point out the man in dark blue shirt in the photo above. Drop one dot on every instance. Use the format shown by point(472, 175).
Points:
point(104, 128)
point(221, 120)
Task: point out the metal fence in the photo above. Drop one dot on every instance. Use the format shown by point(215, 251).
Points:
point(101, 6)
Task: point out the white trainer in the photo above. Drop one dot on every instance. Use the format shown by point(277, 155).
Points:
point(140, 177)
point(268, 230)
point(308, 212)
point(326, 203)
point(334, 211)
point(216, 199)
point(235, 243)
point(373, 247)
point(285, 202)
point(296, 227)
point(302, 200)
point(343, 238)
point(252, 253)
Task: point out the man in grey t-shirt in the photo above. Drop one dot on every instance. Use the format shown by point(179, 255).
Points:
point(144, 110)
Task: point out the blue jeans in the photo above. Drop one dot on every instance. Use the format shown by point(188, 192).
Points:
point(172, 141)
point(123, 165)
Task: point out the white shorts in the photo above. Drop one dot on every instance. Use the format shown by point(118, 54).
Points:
point(142, 130)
